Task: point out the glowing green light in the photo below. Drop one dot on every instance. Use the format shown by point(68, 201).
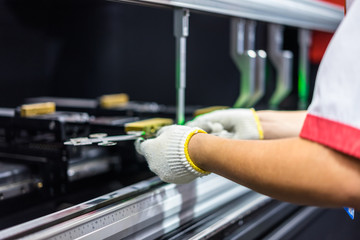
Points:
point(303, 89)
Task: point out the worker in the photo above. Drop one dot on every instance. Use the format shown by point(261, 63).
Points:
point(308, 157)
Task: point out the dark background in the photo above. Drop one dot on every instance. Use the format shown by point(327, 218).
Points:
point(85, 49)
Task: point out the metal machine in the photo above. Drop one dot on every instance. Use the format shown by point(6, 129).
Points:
point(127, 201)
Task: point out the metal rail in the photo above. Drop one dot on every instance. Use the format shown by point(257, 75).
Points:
point(308, 14)
point(146, 210)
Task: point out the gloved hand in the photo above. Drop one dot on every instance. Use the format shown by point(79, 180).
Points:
point(230, 123)
point(167, 154)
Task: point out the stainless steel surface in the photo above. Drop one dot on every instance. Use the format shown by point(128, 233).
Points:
point(308, 14)
point(78, 210)
point(253, 202)
point(241, 49)
point(260, 78)
point(282, 61)
point(16, 180)
point(67, 102)
point(295, 222)
point(92, 167)
point(304, 39)
point(146, 216)
point(18, 188)
point(181, 31)
point(7, 112)
point(251, 63)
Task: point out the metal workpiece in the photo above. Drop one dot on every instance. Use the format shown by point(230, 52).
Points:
point(181, 31)
point(148, 215)
point(304, 40)
point(308, 14)
point(250, 63)
point(282, 61)
point(102, 139)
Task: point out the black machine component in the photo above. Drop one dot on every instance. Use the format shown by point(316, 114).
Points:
point(38, 143)
point(127, 108)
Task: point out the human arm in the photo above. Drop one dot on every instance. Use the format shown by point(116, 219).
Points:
point(251, 124)
point(294, 169)
point(281, 124)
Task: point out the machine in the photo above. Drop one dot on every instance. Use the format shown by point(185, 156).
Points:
point(73, 172)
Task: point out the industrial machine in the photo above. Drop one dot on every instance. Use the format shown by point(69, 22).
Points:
point(73, 172)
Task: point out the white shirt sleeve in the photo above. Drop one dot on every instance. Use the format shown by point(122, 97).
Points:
point(334, 115)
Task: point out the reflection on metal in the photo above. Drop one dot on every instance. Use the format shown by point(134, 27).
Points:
point(307, 14)
point(250, 63)
point(124, 214)
point(282, 61)
point(91, 167)
point(304, 39)
point(260, 78)
point(16, 180)
point(181, 31)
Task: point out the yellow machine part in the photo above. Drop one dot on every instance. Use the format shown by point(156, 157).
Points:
point(208, 109)
point(28, 110)
point(113, 100)
point(149, 126)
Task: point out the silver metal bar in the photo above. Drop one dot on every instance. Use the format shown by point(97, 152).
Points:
point(304, 39)
point(243, 209)
point(282, 61)
point(75, 211)
point(308, 14)
point(146, 216)
point(181, 31)
point(19, 188)
point(296, 221)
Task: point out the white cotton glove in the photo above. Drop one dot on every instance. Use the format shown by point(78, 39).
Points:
point(230, 123)
point(167, 154)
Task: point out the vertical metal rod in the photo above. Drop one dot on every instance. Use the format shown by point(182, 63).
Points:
point(304, 39)
point(181, 31)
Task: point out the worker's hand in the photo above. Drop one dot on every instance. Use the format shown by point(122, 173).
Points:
point(167, 154)
point(230, 123)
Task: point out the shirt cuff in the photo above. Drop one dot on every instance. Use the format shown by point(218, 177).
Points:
point(335, 135)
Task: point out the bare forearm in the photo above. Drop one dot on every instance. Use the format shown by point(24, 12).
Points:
point(294, 170)
point(281, 124)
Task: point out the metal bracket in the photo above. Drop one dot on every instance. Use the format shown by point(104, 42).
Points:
point(250, 63)
point(304, 39)
point(181, 31)
point(282, 61)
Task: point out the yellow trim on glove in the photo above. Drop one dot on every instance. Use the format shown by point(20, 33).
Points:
point(192, 164)
point(258, 124)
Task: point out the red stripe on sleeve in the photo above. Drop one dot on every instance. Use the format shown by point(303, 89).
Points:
point(333, 134)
